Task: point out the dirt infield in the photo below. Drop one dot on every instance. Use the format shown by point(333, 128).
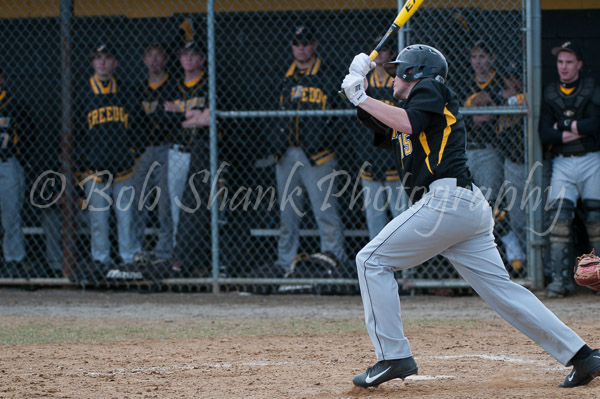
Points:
point(73, 344)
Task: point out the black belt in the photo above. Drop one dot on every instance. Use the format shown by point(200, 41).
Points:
point(468, 186)
point(573, 154)
point(478, 146)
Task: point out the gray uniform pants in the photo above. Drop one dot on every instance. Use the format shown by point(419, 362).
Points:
point(151, 175)
point(515, 178)
point(575, 177)
point(12, 184)
point(294, 171)
point(485, 165)
point(102, 198)
point(456, 223)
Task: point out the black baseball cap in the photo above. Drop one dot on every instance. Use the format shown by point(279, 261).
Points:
point(303, 33)
point(483, 46)
point(102, 49)
point(567, 46)
point(193, 45)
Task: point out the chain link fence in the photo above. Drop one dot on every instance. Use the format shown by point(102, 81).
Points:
point(103, 185)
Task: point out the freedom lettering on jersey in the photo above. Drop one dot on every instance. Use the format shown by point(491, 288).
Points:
point(308, 95)
point(192, 103)
point(150, 107)
point(112, 113)
point(5, 121)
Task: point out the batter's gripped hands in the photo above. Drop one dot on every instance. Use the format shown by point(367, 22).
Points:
point(196, 118)
point(354, 88)
point(361, 65)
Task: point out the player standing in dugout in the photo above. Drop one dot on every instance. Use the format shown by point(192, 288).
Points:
point(158, 128)
point(189, 161)
point(12, 183)
point(304, 148)
point(105, 147)
point(449, 216)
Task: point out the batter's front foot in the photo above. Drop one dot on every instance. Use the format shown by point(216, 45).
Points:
point(584, 371)
point(386, 370)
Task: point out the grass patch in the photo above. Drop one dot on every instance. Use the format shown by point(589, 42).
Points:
point(112, 330)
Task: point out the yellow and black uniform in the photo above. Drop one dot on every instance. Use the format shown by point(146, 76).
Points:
point(12, 185)
point(11, 115)
point(436, 148)
point(511, 130)
point(191, 96)
point(578, 101)
point(158, 126)
point(483, 133)
point(106, 116)
point(193, 231)
point(307, 89)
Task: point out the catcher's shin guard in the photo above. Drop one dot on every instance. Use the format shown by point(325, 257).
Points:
point(592, 222)
point(561, 249)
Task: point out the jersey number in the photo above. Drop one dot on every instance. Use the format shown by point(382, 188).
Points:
point(405, 143)
point(5, 138)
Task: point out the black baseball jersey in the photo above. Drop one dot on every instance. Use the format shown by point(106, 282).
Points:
point(511, 129)
point(158, 125)
point(11, 115)
point(307, 89)
point(106, 114)
point(190, 96)
point(436, 148)
point(580, 102)
point(382, 163)
point(484, 133)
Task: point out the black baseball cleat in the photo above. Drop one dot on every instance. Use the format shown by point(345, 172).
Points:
point(386, 370)
point(584, 371)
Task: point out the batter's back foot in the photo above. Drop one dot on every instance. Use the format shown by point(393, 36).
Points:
point(386, 370)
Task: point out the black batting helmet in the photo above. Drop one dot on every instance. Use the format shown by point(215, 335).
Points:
point(418, 61)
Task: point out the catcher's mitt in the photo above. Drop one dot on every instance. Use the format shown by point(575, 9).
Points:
point(587, 271)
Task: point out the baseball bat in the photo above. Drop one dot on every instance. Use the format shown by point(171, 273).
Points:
point(408, 9)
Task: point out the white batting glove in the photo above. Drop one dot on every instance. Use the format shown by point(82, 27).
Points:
point(354, 88)
point(361, 65)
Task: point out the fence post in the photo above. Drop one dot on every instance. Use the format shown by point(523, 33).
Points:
point(66, 145)
point(212, 105)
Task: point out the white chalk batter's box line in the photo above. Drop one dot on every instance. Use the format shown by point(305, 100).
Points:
point(543, 364)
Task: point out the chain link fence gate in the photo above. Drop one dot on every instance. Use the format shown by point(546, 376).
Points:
point(113, 191)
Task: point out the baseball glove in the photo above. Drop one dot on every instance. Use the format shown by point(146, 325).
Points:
point(317, 265)
point(587, 271)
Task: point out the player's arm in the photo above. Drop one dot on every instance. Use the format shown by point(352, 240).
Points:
point(547, 131)
point(394, 117)
point(196, 118)
point(589, 126)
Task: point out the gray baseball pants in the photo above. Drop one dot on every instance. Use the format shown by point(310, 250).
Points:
point(151, 175)
point(456, 223)
point(294, 171)
point(12, 182)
